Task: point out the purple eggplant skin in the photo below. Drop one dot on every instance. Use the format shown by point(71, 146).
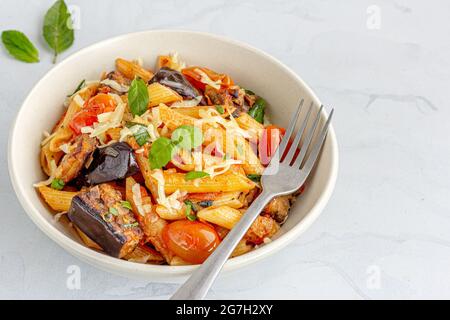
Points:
point(89, 220)
point(89, 212)
point(175, 81)
point(113, 162)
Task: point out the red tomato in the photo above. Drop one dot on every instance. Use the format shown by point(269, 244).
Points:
point(88, 115)
point(192, 241)
point(268, 143)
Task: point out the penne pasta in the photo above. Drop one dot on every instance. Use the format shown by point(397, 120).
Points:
point(88, 241)
point(223, 216)
point(194, 112)
point(177, 261)
point(61, 136)
point(113, 134)
point(173, 214)
point(46, 157)
point(131, 70)
point(227, 182)
point(56, 199)
point(241, 248)
point(144, 254)
point(246, 122)
point(161, 94)
point(172, 118)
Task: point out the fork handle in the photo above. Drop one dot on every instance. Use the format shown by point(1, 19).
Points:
point(197, 286)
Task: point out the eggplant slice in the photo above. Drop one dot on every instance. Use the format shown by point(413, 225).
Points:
point(109, 163)
point(72, 163)
point(175, 81)
point(99, 214)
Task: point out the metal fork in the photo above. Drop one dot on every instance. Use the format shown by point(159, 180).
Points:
point(290, 176)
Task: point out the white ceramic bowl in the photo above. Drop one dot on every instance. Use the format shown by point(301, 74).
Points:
point(249, 67)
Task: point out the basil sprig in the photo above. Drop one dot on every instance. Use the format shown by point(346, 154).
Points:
point(138, 97)
point(161, 152)
point(254, 177)
point(190, 212)
point(257, 110)
point(19, 46)
point(78, 88)
point(191, 175)
point(220, 109)
point(163, 149)
point(57, 184)
point(58, 31)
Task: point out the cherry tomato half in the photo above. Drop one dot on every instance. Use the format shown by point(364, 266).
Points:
point(192, 241)
point(88, 115)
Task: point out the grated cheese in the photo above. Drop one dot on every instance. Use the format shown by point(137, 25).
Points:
point(78, 100)
point(115, 85)
point(65, 148)
point(137, 198)
point(170, 202)
point(207, 80)
point(224, 166)
point(107, 120)
point(152, 132)
point(51, 178)
point(213, 117)
point(187, 103)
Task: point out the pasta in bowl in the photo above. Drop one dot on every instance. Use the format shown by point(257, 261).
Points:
point(155, 164)
point(157, 167)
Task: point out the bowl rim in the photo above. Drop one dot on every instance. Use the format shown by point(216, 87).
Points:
point(124, 267)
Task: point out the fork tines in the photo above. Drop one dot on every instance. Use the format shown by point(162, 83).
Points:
point(289, 154)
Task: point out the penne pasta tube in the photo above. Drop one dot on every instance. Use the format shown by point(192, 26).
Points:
point(241, 248)
point(56, 199)
point(177, 261)
point(246, 122)
point(223, 216)
point(194, 112)
point(113, 134)
point(172, 118)
point(173, 214)
point(131, 70)
point(88, 241)
point(227, 182)
point(229, 199)
point(144, 254)
point(161, 94)
point(61, 136)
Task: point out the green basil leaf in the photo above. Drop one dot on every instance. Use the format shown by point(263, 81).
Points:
point(161, 153)
point(57, 184)
point(219, 109)
point(113, 211)
point(126, 205)
point(138, 97)
point(79, 87)
point(19, 46)
point(58, 30)
point(187, 137)
point(141, 135)
point(189, 211)
point(191, 175)
point(130, 225)
point(249, 92)
point(257, 110)
point(254, 177)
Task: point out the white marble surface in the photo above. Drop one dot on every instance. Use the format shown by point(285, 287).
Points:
point(385, 232)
